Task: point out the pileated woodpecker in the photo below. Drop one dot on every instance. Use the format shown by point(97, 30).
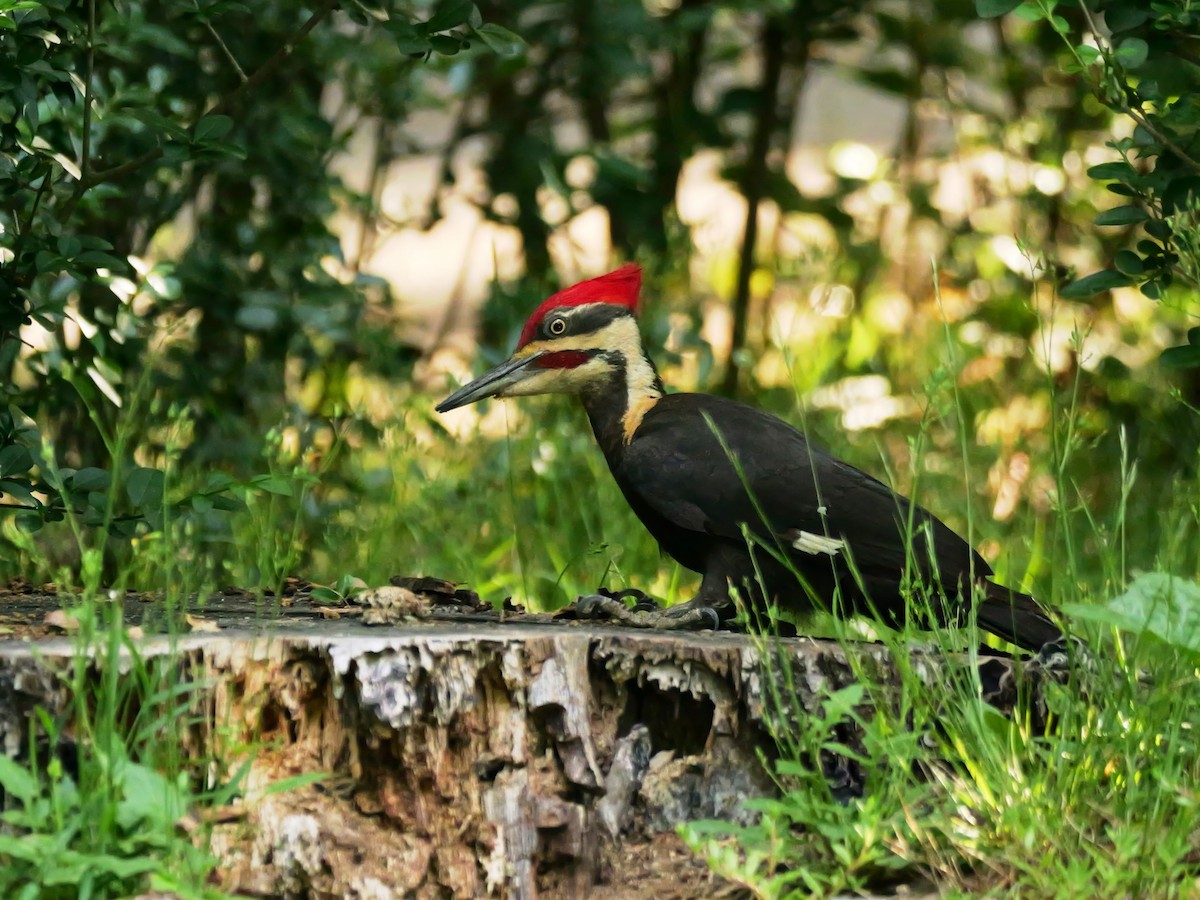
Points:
point(737, 494)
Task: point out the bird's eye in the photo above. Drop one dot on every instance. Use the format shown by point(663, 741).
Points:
point(557, 326)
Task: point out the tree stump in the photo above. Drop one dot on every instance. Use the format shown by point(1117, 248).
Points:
point(467, 759)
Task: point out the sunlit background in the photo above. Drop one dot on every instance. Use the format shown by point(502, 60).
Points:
point(378, 223)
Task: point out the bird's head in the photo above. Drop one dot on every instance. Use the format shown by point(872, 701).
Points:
point(576, 342)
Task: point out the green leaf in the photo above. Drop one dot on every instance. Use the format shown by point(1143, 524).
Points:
point(219, 481)
point(145, 487)
point(1132, 52)
point(1155, 603)
point(1185, 356)
point(1119, 170)
point(272, 484)
point(1158, 228)
point(213, 128)
point(321, 594)
point(500, 40)
point(1122, 17)
point(14, 459)
point(17, 780)
point(449, 14)
point(446, 44)
point(1093, 284)
point(21, 491)
point(227, 503)
point(990, 9)
point(29, 522)
point(408, 40)
point(1122, 215)
point(1193, 336)
point(1129, 262)
point(90, 479)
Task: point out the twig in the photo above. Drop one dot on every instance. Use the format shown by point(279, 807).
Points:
point(1123, 105)
point(225, 49)
point(288, 48)
point(1140, 117)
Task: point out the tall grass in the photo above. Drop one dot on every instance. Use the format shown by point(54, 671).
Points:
point(1095, 798)
point(1103, 801)
point(101, 799)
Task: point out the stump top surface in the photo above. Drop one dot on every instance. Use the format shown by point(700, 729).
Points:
point(242, 618)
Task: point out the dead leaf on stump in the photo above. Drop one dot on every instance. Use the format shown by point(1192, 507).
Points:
point(197, 624)
point(440, 592)
point(390, 604)
point(60, 620)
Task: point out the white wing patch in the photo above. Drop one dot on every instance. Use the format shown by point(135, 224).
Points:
point(807, 542)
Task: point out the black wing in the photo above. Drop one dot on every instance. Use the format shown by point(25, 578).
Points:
point(797, 486)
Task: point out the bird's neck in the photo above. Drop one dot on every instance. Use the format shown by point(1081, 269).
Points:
point(616, 406)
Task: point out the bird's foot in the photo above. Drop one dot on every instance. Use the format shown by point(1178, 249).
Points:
point(645, 613)
point(1058, 658)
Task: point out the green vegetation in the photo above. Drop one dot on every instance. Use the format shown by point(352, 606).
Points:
point(206, 382)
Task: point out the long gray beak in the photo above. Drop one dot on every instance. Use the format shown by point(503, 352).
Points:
point(491, 383)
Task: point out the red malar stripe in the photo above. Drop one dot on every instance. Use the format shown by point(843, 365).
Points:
point(563, 359)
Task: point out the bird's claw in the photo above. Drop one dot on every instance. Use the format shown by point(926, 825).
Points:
point(1057, 658)
point(674, 618)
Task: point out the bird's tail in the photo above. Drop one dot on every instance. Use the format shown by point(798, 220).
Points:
point(1016, 618)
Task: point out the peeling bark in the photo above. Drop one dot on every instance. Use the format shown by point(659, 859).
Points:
point(470, 759)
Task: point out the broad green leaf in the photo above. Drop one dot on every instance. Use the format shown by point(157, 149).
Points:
point(15, 459)
point(1096, 283)
point(213, 128)
point(1132, 52)
point(219, 481)
point(29, 522)
point(1129, 262)
point(450, 14)
point(500, 40)
point(1122, 215)
point(1185, 356)
point(1105, 171)
point(145, 487)
point(1158, 228)
point(272, 484)
point(408, 40)
point(20, 491)
point(990, 9)
point(16, 779)
point(447, 44)
point(1155, 603)
point(90, 479)
point(227, 503)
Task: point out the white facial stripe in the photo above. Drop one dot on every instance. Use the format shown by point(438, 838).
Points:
point(560, 381)
point(618, 336)
point(807, 542)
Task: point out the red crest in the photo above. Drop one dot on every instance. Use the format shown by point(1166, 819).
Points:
point(621, 286)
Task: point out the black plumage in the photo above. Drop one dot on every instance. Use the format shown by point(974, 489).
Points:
point(679, 475)
point(739, 495)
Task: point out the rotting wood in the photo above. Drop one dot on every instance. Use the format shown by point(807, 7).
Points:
point(469, 759)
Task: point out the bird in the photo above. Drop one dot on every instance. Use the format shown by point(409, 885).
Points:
point(740, 496)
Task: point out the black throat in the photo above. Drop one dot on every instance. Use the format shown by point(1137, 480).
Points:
point(607, 404)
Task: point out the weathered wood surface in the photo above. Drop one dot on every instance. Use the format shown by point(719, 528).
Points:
point(468, 759)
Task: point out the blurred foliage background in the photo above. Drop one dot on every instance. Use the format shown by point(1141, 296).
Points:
point(245, 247)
